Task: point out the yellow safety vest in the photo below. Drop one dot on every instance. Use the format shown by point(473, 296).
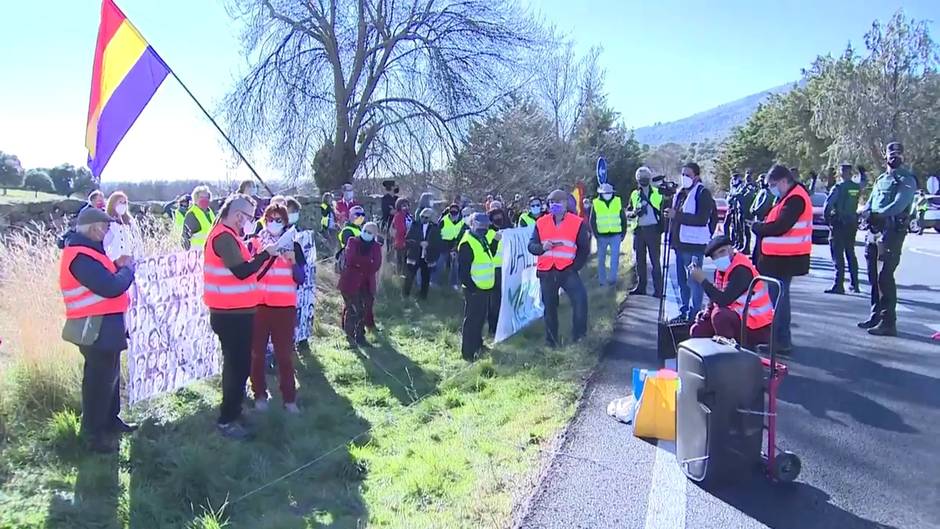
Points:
point(498, 258)
point(526, 219)
point(656, 199)
point(355, 230)
point(179, 219)
point(608, 215)
point(450, 230)
point(483, 267)
point(198, 239)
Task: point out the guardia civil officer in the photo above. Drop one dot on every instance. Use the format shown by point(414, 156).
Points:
point(888, 210)
point(841, 214)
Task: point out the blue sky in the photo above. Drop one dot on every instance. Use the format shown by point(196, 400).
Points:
point(664, 59)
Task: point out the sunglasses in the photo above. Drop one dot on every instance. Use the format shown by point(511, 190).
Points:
point(358, 214)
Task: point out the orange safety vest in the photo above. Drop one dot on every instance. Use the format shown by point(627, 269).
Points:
point(276, 286)
point(761, 311)
point(80, 301)
point(566, 233)
point(222, 290)
point(799, 239)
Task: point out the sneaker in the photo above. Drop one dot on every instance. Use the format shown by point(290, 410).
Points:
point(261, 405)
point(883, 329)
point(834, 290)
point(291, 407)
point(234, 431)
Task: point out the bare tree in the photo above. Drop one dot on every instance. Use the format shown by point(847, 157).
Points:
point(336, 83)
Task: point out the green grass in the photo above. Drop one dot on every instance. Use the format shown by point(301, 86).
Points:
point(20, 196)
point(406, 435)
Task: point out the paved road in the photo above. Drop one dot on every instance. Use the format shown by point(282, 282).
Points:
point(863, 414)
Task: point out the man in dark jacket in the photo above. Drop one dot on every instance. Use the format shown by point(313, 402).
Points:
point(101, 381)
point(689, 232)
point(477, 272)
point(423, 243)
point(791, 214)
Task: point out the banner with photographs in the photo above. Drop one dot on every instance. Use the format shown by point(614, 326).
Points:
point(171, 342)
point(522, 295)
point(306, 293)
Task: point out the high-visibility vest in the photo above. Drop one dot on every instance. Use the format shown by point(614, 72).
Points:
point(450, 230)
point(498, 258)
point(198, 239)
point(607, 215)
point(80, 301)
point(276, 287)
point(483, 267)
point(326, 211)
point(179, 219)
point(798, 240)
point(566, 234)
point(761, 312)
point(222, 290)
point(525, 219)
point(655, 199)
point(352, 228)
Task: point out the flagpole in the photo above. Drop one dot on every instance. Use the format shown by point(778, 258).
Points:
point(217, 127)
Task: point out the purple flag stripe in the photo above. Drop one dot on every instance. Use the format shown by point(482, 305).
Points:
point(125, 105)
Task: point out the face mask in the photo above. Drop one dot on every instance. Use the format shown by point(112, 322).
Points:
point(203, 203)
point(454, 214)
point(686, 182)
point(535, 210)
point(120, 209)
point(775, 191)
point(606, 196)
point(644, 183)
point(894, 163)
point(348, 195)
point(857, 179)
point(275, 228)
point(367, 236)
point(722, 263)
point(556, 208)
point(293, 217)
point(480, 230)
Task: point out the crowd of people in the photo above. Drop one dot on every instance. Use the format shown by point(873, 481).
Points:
point(251, 274)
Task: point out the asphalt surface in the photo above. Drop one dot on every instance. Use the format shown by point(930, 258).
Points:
point(862, 413)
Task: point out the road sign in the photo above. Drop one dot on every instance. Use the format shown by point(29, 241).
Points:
point(601, 171)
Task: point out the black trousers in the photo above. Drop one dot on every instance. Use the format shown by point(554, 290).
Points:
point(842, 248)
point(235, 334)
point(101, 391)
point(883, 261)
point(474, 316)
point(647, 241)
point(496, 297)
point(411, 271)
point(569, 281)
point(356, 310)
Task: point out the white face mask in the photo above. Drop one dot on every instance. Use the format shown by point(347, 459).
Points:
point(275, 228)
point(120, 209)
point(348, 195)
point(606, 196)
point(687, 182)
point(857, 179)
point(248, 227)
point(293, 217)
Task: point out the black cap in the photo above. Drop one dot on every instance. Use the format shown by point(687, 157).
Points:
point(388, 184)
point(716, 243)
point(895, 147)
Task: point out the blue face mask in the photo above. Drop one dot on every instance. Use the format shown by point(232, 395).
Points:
point(535, 210)
point(722, 263)
point(775, 192)
point(556, 208)
point(367, 236)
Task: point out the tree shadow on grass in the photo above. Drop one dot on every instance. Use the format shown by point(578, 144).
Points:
point(95, 499)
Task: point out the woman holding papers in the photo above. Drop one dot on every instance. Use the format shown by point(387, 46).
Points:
point(276, 317)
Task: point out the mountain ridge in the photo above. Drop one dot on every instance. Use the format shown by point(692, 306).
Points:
point(712, 124)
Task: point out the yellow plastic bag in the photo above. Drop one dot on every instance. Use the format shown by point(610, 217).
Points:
point(656, 415)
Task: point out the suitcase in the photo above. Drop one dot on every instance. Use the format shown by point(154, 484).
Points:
point(719, 411)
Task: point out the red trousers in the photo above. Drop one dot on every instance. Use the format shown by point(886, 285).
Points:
point(276, 323)
point(722, 321)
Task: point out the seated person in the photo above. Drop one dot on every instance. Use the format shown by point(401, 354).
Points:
point(722, 316)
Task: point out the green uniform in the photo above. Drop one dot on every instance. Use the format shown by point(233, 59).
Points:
point(840, 212)
point(889, 204)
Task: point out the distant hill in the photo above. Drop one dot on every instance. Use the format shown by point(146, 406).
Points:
point(714, 123)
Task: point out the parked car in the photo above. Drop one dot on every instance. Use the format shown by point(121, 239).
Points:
point(820, 227)
point(929, 218)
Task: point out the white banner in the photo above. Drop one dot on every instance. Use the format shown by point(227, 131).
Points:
point(306, 293)
point(171, 342)
point(521, 293)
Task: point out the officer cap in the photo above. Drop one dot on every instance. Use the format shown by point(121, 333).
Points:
point(719, 241)
point(895, 147)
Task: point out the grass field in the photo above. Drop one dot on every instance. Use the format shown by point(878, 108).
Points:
point(405, 435)
point(20, 196)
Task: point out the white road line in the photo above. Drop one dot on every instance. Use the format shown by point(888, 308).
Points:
point(666, 505)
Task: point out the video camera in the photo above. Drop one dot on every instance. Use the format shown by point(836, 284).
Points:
point(666, 188)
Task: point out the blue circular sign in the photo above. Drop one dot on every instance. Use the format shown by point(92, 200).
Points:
point(601, 170)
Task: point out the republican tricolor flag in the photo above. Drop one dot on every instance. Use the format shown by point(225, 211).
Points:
point(127, 72)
